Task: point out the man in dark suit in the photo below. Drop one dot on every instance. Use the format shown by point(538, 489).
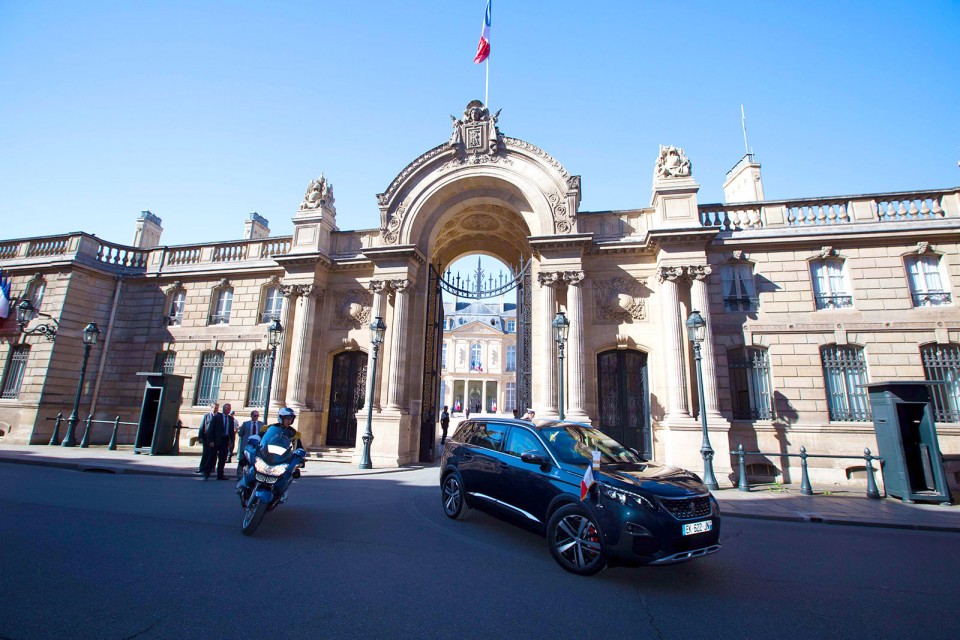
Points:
point(209, 449)
point(223, 433)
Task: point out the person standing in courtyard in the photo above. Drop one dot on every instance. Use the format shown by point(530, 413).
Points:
point(444, 424)
point(207, 450)
point(249, 428)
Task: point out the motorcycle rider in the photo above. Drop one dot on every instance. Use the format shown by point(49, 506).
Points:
point(285, 418)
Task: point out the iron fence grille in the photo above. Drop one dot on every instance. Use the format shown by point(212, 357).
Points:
point(845, 375)
point(750, 384)
point(16, 365)
point(208, 387)
point(941, 363)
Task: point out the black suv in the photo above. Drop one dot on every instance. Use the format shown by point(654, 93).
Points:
point(638, 512)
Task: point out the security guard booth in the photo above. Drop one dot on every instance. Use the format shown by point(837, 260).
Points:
point(907, 441)
point(157, 428)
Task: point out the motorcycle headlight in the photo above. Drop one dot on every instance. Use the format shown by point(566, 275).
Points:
point(270, 470)
point(625, 497)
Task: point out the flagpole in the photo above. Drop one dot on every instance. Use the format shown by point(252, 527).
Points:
point(486, 90)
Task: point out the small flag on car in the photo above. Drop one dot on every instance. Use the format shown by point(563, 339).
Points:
point(587, 482)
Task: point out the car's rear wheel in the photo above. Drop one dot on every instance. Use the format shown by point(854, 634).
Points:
point(575, 541)
point(454, 503)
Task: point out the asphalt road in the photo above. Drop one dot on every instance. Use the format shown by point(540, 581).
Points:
point(86, 555)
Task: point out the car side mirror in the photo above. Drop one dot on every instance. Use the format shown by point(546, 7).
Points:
point(532, 457)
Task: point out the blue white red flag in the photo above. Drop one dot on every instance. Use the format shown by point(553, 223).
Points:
point(483, 49)
point(4, 296)
point(587, 482)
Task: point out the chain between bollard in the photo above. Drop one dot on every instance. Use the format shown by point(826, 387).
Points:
point(56, 430)
point(805, 488)
point(744, 484)
point(113, 438)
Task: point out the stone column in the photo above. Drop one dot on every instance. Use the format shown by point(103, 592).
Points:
point(548, 403)
point(673, 347)
point(397, 344)
point(280, 367)
point(376, 287)
point(575, 348)
point(701, 302)
point(302, 330)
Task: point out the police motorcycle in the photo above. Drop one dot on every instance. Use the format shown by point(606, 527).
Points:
point(273, 464)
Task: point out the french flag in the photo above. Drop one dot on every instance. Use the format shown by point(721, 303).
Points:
point(587, 482)
point(483, 49)
point(4, 296)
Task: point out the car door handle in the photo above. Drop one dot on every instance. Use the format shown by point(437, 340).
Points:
point(504, 465)
point(467, 457)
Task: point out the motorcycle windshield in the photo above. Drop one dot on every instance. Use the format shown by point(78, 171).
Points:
point(275, 446)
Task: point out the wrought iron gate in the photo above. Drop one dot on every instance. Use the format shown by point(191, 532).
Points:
point(347, 391)
point(433, 339)
point(622, 393)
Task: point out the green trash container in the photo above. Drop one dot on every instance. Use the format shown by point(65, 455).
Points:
point(907, 441)
point(157, 426)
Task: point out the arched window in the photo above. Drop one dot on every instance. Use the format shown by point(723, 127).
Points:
point(34, 291)
point(831, 287)
point(175, 304)
point(208, 382)
point(272, 304)
point(926, 278)
point(750, 384)
point(222, 304)
point(941, 364)
point(739, 287)
point(476, 357)
point(845, 377)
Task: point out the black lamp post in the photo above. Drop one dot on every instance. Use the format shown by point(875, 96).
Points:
point(90, 335)
point(274, 336)
point(377, 328)
point(696, 329)
point(561, 327)
point(26, 312)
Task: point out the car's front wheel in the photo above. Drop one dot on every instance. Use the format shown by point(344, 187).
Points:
point(454, 504)
point(575, 541)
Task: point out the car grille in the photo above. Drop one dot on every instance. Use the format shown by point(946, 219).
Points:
point(686, 508)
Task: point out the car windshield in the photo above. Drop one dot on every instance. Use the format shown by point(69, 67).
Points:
point(574, 444)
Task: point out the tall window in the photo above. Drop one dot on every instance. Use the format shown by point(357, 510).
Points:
point(941, 363)
point(35, 290)
point(830, 287)
point(177, 301)
point(750, 384)
point(511, 357)
point(259, 375)
point(164, 361)
point(511, 396)
point(476, 361)
point(222, 305)
point(16, 365)
point(208, 382)
point(926, 281)
point(511, 326)
point(845, 376)
point(443, 357)
point(739, 289)
point(272, 304)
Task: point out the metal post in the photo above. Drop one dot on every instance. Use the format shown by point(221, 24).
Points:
point(744, 484)
point(805, 488)
point(872, 491)
point(560, 377)
point(365, 462)
point(113, 438)
point(86, 434)
point(176, 439)
point(56, 430)
point(266, 401)
point(69, 440)
point(706, 451)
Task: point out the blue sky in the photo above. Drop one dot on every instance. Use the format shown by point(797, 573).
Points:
point(204, 111)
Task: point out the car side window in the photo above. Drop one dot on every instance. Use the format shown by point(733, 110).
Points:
point(520, 441)
point(487, 436)
point(463, 431)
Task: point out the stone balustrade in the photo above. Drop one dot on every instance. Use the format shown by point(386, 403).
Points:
point(607, 226)
point(814, 212)
point(349, 244)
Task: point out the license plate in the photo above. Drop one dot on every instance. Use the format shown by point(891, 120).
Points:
point(697, 527)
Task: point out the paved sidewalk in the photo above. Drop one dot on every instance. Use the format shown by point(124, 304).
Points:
point(834, 506)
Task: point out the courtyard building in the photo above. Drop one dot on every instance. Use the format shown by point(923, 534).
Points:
point(805, 301)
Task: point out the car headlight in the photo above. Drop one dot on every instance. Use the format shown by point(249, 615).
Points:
point(270, 470)
point(624, 497)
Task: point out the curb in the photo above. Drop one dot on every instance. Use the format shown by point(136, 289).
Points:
point(845, 522)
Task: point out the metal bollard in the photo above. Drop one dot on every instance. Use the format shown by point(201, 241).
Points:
point(872, 491)
point(805, 488)
point(176, 439)
point(56, 430)
point(113, 438)
point(744, 484)
point(85, 442)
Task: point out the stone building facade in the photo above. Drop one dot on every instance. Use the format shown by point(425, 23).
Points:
point(805, 300)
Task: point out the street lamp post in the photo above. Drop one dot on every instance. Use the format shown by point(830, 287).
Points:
point(377, 329)
point(274, 336)
point(561, 326)
point(26, 312)
point(696, 329)
point(90, 335)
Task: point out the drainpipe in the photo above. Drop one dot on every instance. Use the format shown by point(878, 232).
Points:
point(106, 346)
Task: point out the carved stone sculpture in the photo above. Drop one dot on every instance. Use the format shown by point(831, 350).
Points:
point(672, 163)
point(351, 309)
point(319, 192)
point(619, 300)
